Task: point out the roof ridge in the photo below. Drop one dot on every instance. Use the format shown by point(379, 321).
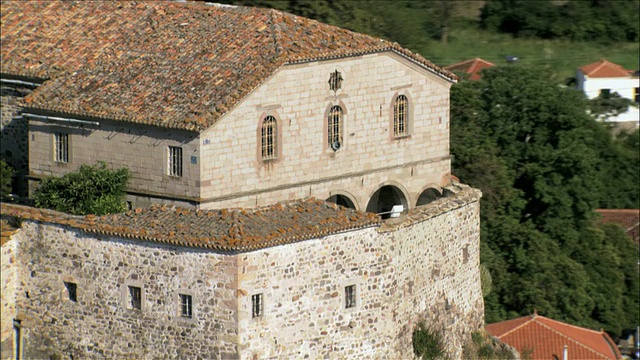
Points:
point(519, 326)
point(571, 325)
point(571, 339)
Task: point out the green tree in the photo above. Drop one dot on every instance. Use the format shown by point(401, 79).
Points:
point(539, 159)
point(91, 190)
point(6, 174)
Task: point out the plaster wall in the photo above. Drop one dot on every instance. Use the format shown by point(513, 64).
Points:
point(299, 97)
point(141, 149)
point(625, 87)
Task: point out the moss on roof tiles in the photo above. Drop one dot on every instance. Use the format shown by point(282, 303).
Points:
point(226, 229)
point(171, 65)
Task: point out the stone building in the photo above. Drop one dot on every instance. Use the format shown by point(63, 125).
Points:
point(226, 118)
point(301, 279)
point(218, 106)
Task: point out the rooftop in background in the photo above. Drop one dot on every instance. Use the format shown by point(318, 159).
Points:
point(546, 338)
point(169, 64)
point(472, 67)
point(223, 230)
point(605, 69)
point(629, 219)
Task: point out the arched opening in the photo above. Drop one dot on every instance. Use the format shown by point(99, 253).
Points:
point(428, 196)
point(383, 201)
point(342, 201)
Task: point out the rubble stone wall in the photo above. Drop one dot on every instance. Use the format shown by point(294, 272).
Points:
point(14, 147)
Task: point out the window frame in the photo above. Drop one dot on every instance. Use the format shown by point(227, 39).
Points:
point(257, 306)
point(269, 141)
point(127, 300)
point(350, 296)
point(61, 147)
point(189, 315)
point(334, 126)
point(401, 116)
point(175, 161)
point(636, 95)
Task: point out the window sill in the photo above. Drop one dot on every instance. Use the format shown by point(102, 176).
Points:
point(402, 137)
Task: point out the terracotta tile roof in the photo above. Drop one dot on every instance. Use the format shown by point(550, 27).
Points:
point(472, 67)
point(6, 231)
point(225, 230)
point(605, 69)
point(629, 219)
point(547, 337)
point(176, 65)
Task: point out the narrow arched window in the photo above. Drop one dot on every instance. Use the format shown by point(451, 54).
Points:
point(269, 133)
point(334, 127)
point(401, 116)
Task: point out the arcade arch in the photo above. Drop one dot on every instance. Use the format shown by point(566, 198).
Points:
point(385, 198)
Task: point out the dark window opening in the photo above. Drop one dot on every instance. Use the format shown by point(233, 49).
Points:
point(350, 296)
point(135, 297)
point(72, 289)
point(186, 306)
point(335, 81)
point(256, 305)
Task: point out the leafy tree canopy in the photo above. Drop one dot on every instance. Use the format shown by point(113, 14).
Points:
point(595, 20)
point(90, 190)
point(543, 164)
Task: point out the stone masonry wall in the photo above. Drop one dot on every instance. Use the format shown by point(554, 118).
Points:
point(141, 149)
point(9, 265)
point(101, 324)
point(14, 147)
point(404, 272)
point(299, 97)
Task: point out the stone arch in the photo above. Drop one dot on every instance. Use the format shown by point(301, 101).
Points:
point(343, 198)
point(386, 197)
point(429, 193)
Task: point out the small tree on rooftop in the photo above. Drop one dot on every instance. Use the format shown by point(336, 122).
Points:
point(90, 190)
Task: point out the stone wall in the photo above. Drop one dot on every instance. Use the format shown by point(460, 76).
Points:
point(421, 266)
point(299, 97)
point(101, 324)
point(141, 149)
point(10, 263)
point(14, 147)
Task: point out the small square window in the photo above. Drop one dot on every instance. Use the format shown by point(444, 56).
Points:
point(135, 297)
point(605, 92)
point(61, 147)
point(186, 306)
point(350, 296)
point(175, 161)
point(256, 305)
point(72, 291)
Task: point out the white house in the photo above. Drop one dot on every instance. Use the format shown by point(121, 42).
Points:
point(603, 77)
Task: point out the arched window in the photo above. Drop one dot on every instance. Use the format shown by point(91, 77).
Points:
point(334, 129)
point(269, 136)
point(401, 116)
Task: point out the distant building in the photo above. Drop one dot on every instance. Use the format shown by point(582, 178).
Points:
point(470, 69)
point(629, 219)
point(604, 77)
point(539, 337)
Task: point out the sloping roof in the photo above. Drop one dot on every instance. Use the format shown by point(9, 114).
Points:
point(629, 219)
point(605, 69)
point(224, 230)
point(472, 67)
point(175, 65)
point(547, 337)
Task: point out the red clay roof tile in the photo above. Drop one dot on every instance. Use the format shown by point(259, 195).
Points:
point(629, 219)
point(546, 337)
point(605, 69)
point(472, 67)
point(175, 65)
point(225, 230)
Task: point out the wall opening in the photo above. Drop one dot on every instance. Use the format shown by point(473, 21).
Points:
point(342, 201)
point(383, 201)
point(428, 196)
point(17, 329)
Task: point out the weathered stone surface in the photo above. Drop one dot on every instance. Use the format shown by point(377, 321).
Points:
point(302, 286)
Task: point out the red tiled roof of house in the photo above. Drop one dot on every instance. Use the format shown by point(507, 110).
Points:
point(605, 69)
point(472, 67)
point(544, 338)
point(629, 219)
point(224, 230)
point(175, 65)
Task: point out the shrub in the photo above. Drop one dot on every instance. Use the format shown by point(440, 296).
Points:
point(428, 343)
